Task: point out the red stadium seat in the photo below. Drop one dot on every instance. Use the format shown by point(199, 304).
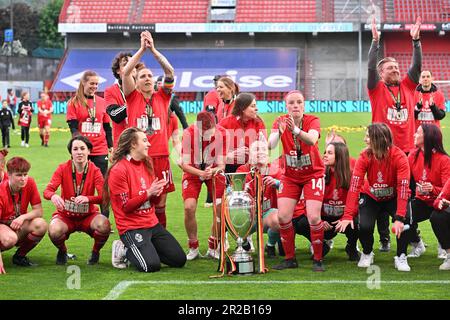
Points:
point(429, 10)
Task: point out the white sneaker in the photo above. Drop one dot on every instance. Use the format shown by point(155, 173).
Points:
point(401, 263)
point(446, 264)
point(22, 144)
point(118, 255)
point(442, 254)
point(27, 145)
point(418, 248)
point(213, 253)
point(192, 254)
point(365, 260)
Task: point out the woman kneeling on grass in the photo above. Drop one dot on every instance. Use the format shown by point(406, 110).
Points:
point(76, 209)
point(133, 189)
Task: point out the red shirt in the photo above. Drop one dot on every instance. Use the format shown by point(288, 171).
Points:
point(93, 131)
point(386, 179)
point(5, 176)
point(270, 198)
point(383, 110)
point(224, 109)
point(114, 96)
point(212, 99)
point(29, 195)
point(310, 164)
point(445, 194)
point(210, 150)
point(63, 177)
point(425, 115)
point(44, 105)
point(437, 175)
point(26, 112)
point(241, 134)
point(137, 117)
point(128, 181)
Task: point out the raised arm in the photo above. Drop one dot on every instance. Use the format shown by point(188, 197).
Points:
point(416, 62)
point(128, 82)
point(169, 72)
point(372, 76)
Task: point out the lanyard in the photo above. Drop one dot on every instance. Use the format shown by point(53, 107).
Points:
point(16, 205)
point(91, 111)
point(149, 109)
point(225, 111)
point(398, 100)
point(298, 147)
point(79, 188)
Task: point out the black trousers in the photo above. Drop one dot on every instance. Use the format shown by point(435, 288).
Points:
point(383, 227)
point(101, 162)
point(420, 212)
point(440, 222)
point(147, 248)
point(5, 136)
point(369, 211)
point(301, 227)
point(25, 134)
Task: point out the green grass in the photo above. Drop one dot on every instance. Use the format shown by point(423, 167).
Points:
point(49, 281)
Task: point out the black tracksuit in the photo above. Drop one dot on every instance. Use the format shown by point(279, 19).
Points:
point(6, 121)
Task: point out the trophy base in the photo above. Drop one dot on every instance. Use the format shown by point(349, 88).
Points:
point(242, 267)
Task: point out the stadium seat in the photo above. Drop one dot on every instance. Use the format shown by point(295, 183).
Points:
point(429, 10)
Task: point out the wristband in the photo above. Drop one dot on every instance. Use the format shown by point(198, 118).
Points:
point(296, 131)
point(399, 218)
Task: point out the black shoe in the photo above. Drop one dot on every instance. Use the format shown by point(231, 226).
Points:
point(61, 258)
point(46, 145)
point(270, 250)
point(281, 252)
point(353, 254)
point(42, 143)
point(385, 246)
point(318, 266)
point(22, 261)
point(95, 256)
point(286, 264)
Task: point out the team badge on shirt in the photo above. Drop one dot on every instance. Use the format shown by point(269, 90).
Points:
point(380, 177)
point(138, 237)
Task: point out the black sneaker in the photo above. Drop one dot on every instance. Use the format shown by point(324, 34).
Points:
point(281, 252)
point(318, 266)
point(353, 254)
point(270, 250)
point(286, 264)
point(95, 256)
point(61, 258)
point(385, 246)
point(22, 261)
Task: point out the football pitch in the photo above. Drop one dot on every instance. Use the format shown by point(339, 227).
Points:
point(341, 280)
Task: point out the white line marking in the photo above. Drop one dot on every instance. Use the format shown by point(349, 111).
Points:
point(123, 285)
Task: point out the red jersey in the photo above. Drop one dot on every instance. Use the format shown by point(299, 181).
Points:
point(241, 134)
point(113, 95)
point(386, 179)
point(5, 176)
point(445, 194)
point(309, 164)
point(437, 175)
point(210, 150)
point(212, 99)
point(63, 176)
point(425, 115)
point(224, 109)
point(91, 128)
point(44, 105)
point(401, 122)
point(29, 195)
point(270, 199)
point(128, 183)
point(25, 113)
point(156, 110)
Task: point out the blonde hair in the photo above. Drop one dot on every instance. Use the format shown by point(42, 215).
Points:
point(79, 98)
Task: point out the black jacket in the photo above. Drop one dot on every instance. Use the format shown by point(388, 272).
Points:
point(6, 118)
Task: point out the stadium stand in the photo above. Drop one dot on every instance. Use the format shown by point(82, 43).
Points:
point(429, 10)
point(277, 11)
point(95, 11)
point(166, 11)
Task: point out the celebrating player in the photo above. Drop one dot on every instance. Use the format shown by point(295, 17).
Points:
point(304, 173)
point(387, 190)
point(45, 110)
point(440, 221)
point(79, 178)
point(18, 226)
point(227, 90)
point(132, 189)
point(25, 112)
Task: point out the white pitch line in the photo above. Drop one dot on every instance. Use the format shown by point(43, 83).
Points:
point(123, 285)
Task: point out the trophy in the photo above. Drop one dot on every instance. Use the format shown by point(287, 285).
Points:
point(240, 216)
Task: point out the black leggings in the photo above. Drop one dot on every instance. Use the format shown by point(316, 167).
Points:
point(420, 212)
point(301, 227)
point(25, 134)
point(147, 248)
point(440, 222)
point(101, 162)
point(371, 210)
point(5, 136)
